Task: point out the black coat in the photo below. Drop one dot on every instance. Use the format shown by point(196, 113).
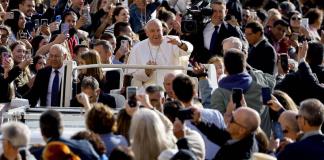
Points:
point(302, 85)
point(82, 148)
point(201, 54)
point(309, 148)
point(242, 149)
point(4, 83)
point(263, 57)
point(40, 87)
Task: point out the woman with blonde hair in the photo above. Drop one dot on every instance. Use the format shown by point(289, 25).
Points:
point(148, 128)
point(58, 151)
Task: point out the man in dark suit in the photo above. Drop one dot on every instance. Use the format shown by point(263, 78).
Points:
point(311, 145)
point(91, 93)
point(261, 55)
point(237, 141)
point(211, 37)
point(51, 128)
point(48, 80)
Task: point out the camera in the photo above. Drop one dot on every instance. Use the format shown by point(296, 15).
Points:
point(194, 18)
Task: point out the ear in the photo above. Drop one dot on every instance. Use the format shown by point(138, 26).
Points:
point(98, 91)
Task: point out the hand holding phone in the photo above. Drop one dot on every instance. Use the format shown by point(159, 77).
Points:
point(277, 131)
point(185, 114)
point(266, 95)
point(44, 22)
point(131, 93)
point(237, 94)
point(284, 62)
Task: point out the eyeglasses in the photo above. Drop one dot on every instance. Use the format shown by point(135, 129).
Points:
point(232, 120)
point(296, 18)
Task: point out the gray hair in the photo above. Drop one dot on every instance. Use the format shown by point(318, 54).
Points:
point(313, 111)
point(233, 42)
point(152, 21)
point(17, 133)
point(61, 48)
point(90, 82)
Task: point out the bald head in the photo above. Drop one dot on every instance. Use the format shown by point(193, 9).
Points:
point(289, 122)
point(248, 117)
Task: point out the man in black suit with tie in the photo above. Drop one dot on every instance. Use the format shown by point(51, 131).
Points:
point(91, 93)
point(211, 37)
point(261, 55)
point(311, 145)
point(48, 80)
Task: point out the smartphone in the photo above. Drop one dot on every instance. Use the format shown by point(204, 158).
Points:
point(5, 55)
point(58, 19)
point(28, 56)
point(277, 131)
point(10, 15)
point(266, 95)
point(23, 35)
point(237, 94)
point(305, 22)
point(294, 36)
point(85, 11)
point(124, 44)
point(36, 23)
point(131, 92)
point(44, 22)
point(284, 62)
point(185, 114)
point(65, 27)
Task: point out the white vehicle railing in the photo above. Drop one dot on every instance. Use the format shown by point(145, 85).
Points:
point(71, 68)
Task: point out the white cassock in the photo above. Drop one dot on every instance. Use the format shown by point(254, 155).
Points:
point(165, 54)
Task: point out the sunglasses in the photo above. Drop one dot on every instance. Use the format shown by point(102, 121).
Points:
point(296, 18)
point(232, 120)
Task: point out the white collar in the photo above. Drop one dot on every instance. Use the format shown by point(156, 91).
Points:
point(60, 69)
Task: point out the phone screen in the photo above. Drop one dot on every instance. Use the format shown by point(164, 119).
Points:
point(266, 95)
point(65, 28)
point(284, 62)
point(44, 22)
point(131, 92)
point(305, 22)
point(277, 131)
point(58, 18)
point(237, 94)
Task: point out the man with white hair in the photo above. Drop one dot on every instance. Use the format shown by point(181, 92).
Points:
point(156, 50)
point(48, 79)
point(16, 136)
point(232, 42)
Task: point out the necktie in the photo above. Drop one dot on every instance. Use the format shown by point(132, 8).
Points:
point(55, 90)
point(212, 46)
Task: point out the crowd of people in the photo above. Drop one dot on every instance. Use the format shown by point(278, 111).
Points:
point(269, 66)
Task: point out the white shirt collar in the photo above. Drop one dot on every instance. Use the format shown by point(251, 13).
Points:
point(60, 69)
point(311, 133)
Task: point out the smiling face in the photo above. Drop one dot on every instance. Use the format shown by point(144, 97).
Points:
point(219, 13)
point(295, 20)
point(27, 7)
point(19, 53)
point(123, 16)
point(154, 32)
